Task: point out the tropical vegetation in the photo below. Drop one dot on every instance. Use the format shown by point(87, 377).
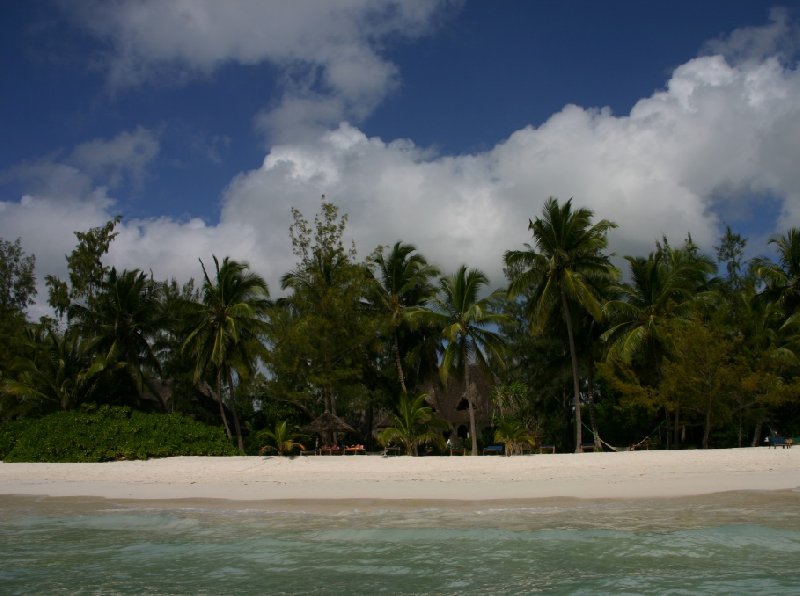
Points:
point(673, 349)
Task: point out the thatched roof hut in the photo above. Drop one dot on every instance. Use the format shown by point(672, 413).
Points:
point(328, 423)
point(450, 402)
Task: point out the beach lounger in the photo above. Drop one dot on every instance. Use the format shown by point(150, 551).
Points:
point(783, 442)
point(547, 448)
point(494, 450)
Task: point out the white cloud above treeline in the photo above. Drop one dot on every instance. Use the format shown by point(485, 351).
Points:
point(717, 139)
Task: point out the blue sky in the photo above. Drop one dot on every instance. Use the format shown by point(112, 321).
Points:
point(446, 124)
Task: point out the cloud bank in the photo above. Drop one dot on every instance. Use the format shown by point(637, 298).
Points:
point(718, 142)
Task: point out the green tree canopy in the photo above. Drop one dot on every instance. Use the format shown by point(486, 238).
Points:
point(559, 271)
point(232, 322)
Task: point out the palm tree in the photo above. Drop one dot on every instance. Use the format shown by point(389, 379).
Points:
point(282, 438)
point(403, 282)
point(120, 323)
point(227, 338)
point(559, 270)
point(55, 375)
point(662, 288)
point(664, 291)
point(468, 335)
point(514, 435)
point(413, 424)
point(782, 279)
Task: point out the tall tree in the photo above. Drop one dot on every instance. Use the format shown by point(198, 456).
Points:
point(468, 326)
point(17, 280)
point(87, 272)
point(702, 375)
point(17, 290)
point(730, 253)
point(325, 328)
point(403, 281)
point(121, 325)
point(558, 270)
point(228, 336)
point(665, 291)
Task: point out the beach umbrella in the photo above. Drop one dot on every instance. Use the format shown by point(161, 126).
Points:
point(328, 423)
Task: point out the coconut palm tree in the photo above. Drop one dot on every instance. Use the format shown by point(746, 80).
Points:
point(54, 376)
point(468, 334)
point(782, 279)
point(403, 282)
point(120, 324)
point(227, 337)
point(663, 288)
point(413, 424)
point(568, 253)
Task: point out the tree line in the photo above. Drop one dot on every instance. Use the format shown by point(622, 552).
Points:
point(680, 350)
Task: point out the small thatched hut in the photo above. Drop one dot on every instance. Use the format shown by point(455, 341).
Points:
point(450, 402)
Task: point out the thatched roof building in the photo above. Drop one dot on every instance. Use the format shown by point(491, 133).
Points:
point(450, 402)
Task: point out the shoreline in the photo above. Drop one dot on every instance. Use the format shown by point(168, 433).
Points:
point(394, 480)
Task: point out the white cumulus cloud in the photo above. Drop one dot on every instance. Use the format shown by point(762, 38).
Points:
point(720, 137)
point(329, 53)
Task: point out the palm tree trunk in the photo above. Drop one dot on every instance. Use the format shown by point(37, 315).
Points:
point(237, 427)
point(677, 430)
point(575, 371)
point(598, 446)
point(472, 427)
point(399, 364)
point(222, 406)
point(757, 433)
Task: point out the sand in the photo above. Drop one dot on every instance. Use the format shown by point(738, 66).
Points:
point(639, 474)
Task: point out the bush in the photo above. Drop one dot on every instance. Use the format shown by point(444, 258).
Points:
point(108, 433)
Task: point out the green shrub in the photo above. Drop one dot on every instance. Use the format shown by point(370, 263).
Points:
point(9, 431)
point(108, 433)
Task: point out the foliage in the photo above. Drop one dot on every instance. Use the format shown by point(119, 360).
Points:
point(514, 435)
point(674, 353)
point(413, 424)
point(106, 434)
point(561, 273)
point(228, 336)
point(120, 326)
point(468, 336)
point(403, 282)
point(310, 342)
point(282, 438)
point(53, 374)
point(17, 280)
point(782, 279)
point(17, 290)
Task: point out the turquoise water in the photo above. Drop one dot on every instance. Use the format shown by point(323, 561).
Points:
point(729, 543)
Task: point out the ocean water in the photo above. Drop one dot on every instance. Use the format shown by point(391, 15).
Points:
point(732, 543)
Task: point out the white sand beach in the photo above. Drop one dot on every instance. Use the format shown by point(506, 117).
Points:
point(588, 475)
